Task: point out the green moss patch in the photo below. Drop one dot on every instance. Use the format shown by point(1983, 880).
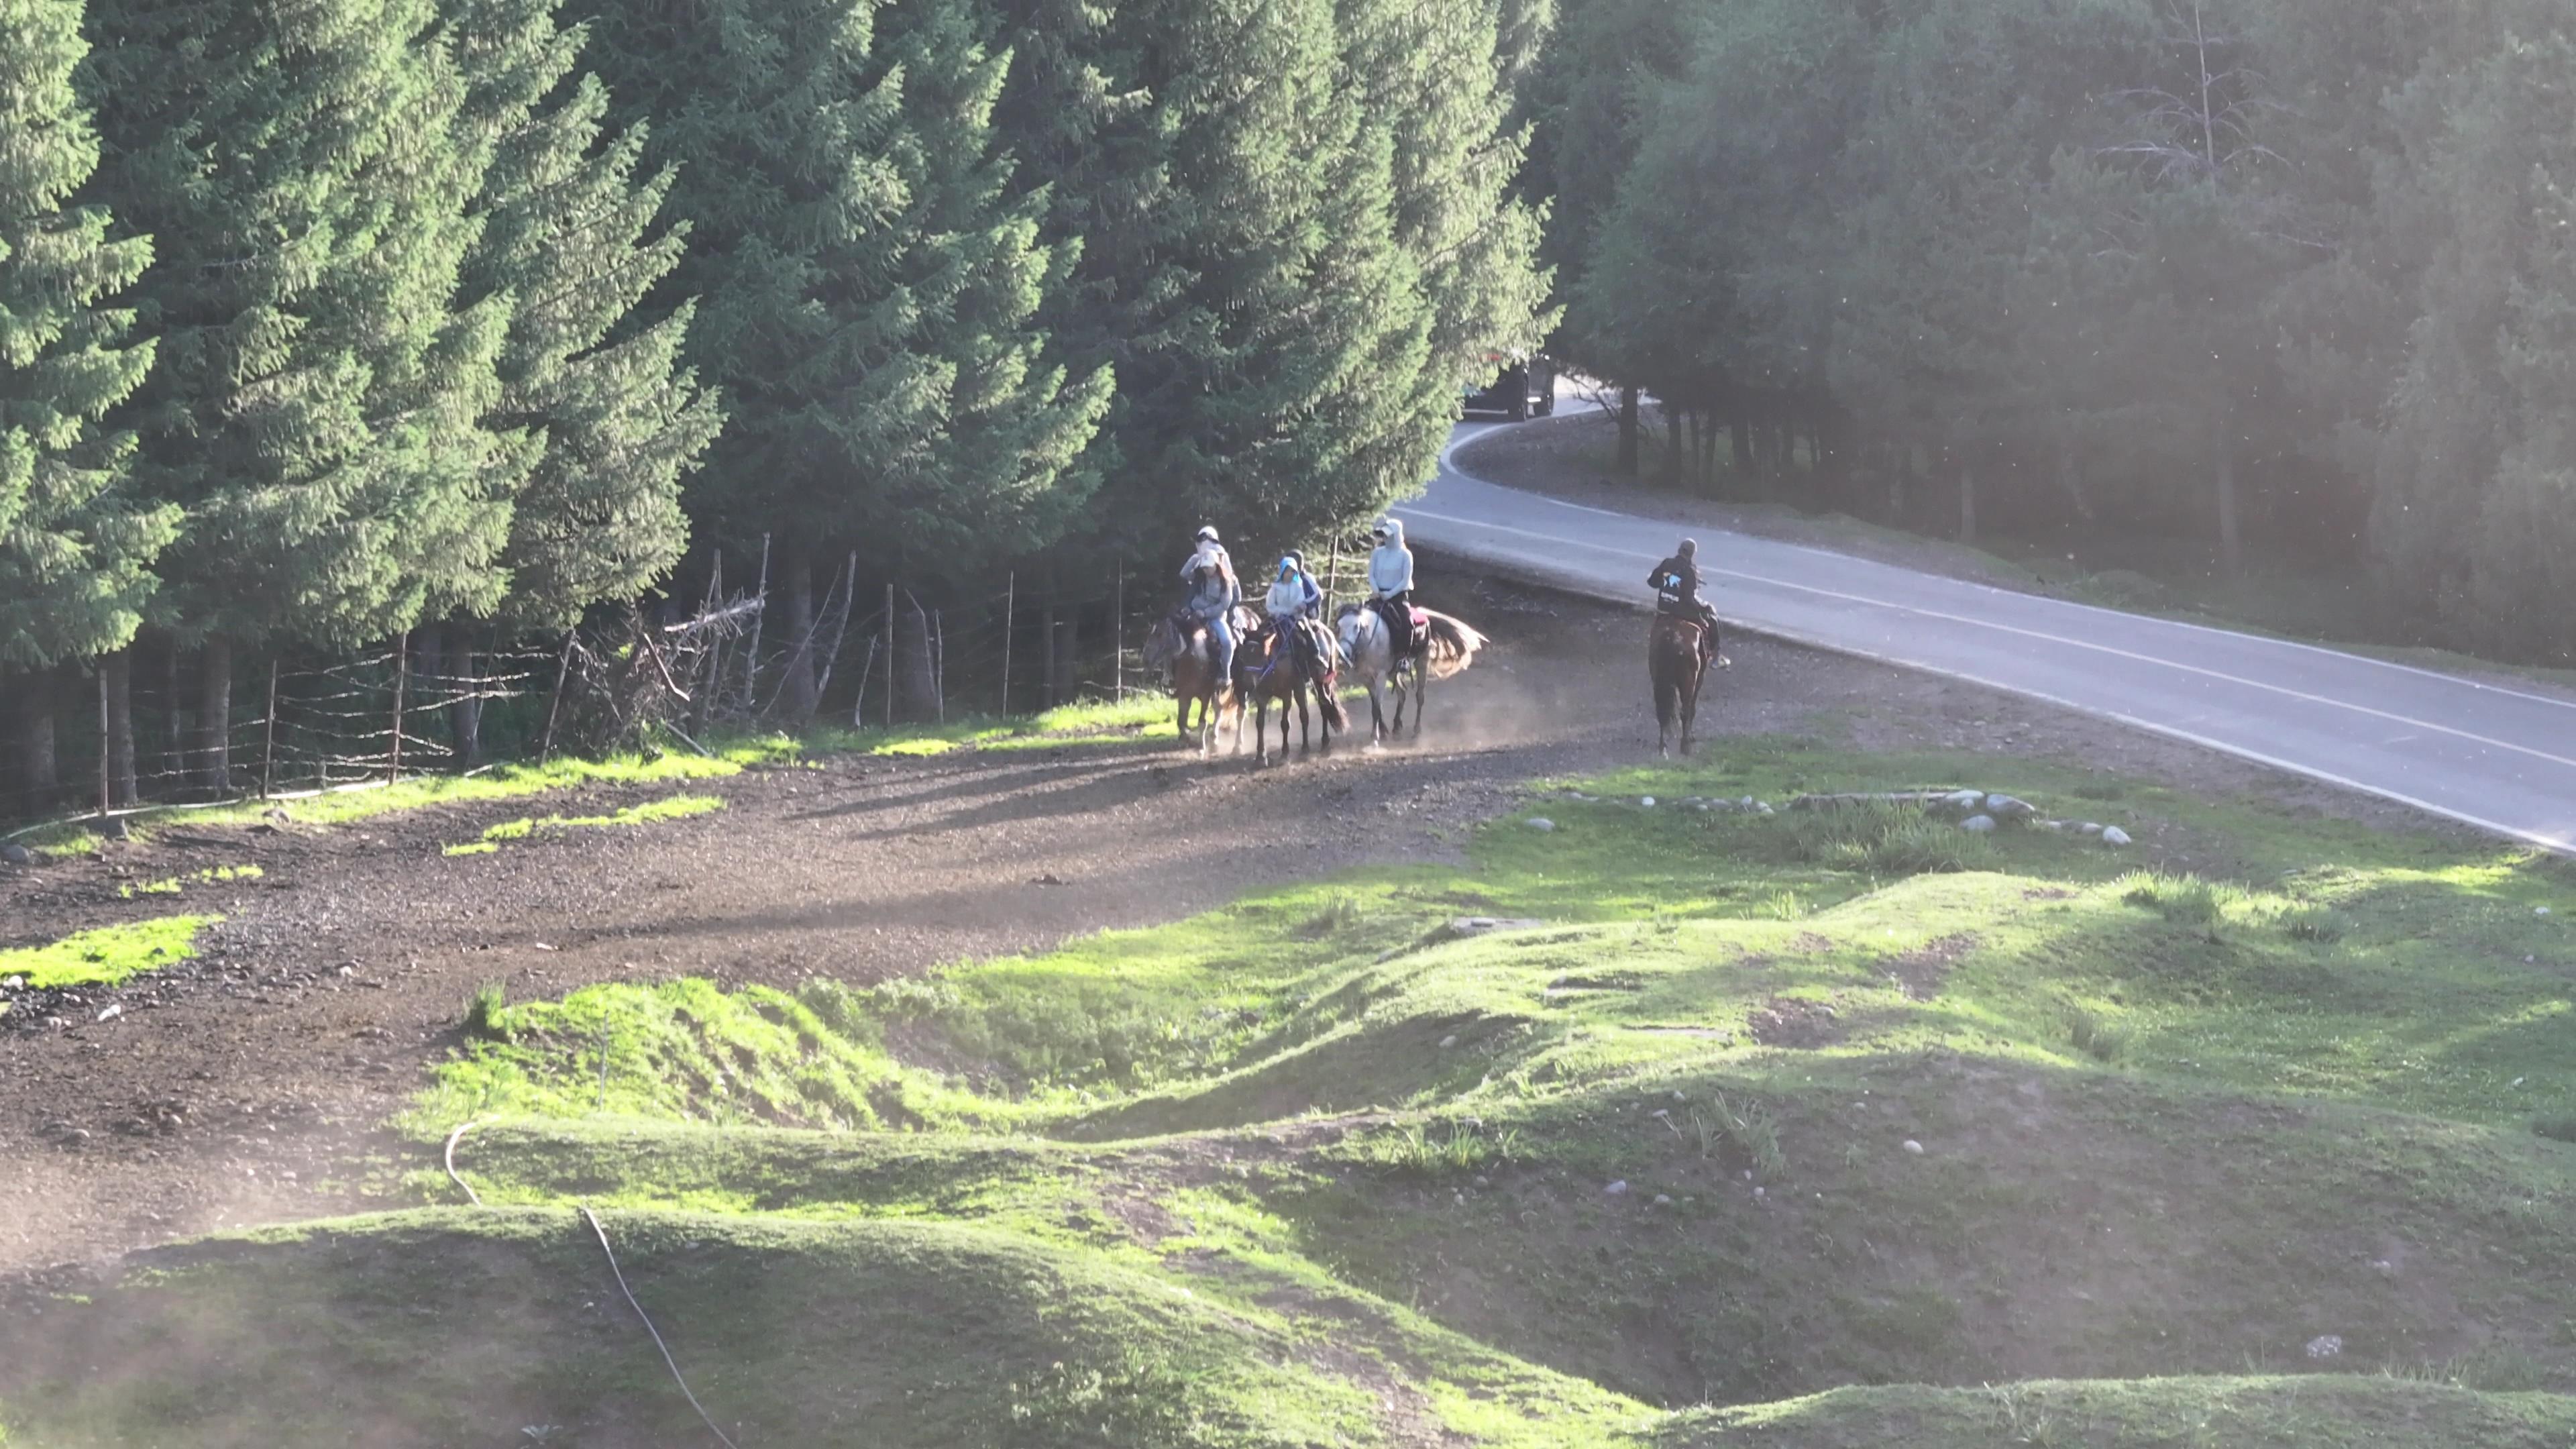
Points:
point(107, 956)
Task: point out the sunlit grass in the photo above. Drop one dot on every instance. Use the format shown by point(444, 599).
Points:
point(107, 956)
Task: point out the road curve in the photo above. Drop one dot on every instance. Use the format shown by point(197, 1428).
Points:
point(2497, 757)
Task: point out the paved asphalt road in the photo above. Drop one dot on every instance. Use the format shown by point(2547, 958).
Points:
point(2499, 757)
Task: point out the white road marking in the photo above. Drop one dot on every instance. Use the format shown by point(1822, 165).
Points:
point(2046, 637)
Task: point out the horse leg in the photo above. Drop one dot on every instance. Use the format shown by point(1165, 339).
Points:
point(1690, 706)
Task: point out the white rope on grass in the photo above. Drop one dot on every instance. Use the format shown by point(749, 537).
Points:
point(649, 1328)
point(452, 1138)
point(458, 1135)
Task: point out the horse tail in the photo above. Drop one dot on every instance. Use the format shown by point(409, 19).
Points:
point(1449, 645)
point(1328, 700)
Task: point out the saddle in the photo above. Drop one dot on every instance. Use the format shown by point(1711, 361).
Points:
point(1417, 618)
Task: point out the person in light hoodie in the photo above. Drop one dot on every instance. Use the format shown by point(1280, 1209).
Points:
point(1214, 591)
point(1390, 575)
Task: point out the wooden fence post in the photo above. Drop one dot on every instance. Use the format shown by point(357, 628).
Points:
point(760, 616)
point(402, 677)
point(889, 638)
point(1010, 605)
point(554, 706)
point(268, 733)
point(103, 766)
point(1118, 636)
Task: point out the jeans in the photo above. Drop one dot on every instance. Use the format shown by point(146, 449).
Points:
point(1221, 646)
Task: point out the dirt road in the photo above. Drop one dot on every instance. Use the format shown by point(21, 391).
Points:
point(245, 1086)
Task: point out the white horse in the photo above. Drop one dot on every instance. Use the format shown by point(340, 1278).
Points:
point(1443, 647)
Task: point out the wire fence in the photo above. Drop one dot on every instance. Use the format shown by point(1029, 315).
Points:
point(164, 724)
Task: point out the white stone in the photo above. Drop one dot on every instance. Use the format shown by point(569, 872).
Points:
point(1913, 1147)
point(1541, 824)
point(1662, 1201)
point(2089, 828)
point(1617, 1189)
point(1762, 807)
point(1964, 799)
point(2005, 807)
point(1448, 1041)
point(2326, 1345)
point(1978, 824)
point(2113, 835)
point(1647, 801)
point(2540, 910)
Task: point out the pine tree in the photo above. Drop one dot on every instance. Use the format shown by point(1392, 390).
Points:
point(569, 236)
point(76, 546)
point(317, 401)
point(1433, 73)
point(868, 269)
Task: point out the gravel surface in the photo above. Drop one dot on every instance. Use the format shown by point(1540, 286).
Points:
point(245, 1086)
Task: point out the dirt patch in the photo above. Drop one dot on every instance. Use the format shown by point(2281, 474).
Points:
point(1919, 972)
point(1797, 1023)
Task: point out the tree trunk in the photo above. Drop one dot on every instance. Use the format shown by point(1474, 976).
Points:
point(1699, 424)
point(917, 695)
point(465, 711)
point(119, 668)
point(796, 696)
point(1068, 656)
point(428, 680)
point(1739, 441)
point(215, 716)
point(38, 777)
point(1626, 465)
point(174, 724)
point(1967, 503)
point(1047, 662)
point(2070, 480)
point(1672, 444)
point(2231, 555)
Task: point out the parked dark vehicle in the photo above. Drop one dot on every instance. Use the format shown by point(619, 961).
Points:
point(1523, 388)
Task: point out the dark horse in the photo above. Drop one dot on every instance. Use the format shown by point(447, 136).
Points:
point(1270, 667)
point(1678, 655)
point(1179, 643)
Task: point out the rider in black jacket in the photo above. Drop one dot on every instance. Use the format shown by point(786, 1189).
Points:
point(1676, 585)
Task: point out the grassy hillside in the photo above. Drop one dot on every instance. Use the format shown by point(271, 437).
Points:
point(2251, 1133)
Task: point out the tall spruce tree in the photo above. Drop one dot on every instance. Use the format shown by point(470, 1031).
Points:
point(317, 401)
point(867, 267)
point(569, 236)
point(76, 546)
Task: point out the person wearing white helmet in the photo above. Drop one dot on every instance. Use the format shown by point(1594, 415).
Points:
point(1390, 575)
point(1214, 591)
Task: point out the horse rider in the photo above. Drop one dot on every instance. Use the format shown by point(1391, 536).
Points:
point(1390, 576)
point(1293, 605)
point(1676, 585)
point(1214, 592)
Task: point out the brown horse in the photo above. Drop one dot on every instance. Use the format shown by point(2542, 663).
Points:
point(1679, 653)
point(1269, 668)
point(1179, 644)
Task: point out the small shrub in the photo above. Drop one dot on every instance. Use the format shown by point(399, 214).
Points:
point(2561, 1128)
point(2315, 924)
point(2101, 1040)
point(1745, 1126)
point(1462, 1147)
point(2183, 899)
point(1339, 913)
point(487, 1013)
point(1885, 838)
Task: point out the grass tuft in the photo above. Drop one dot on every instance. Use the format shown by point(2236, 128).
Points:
point(2183, 899)
point(2090, 1034)
point(487, 1013)
point(1886, 838)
